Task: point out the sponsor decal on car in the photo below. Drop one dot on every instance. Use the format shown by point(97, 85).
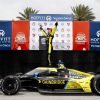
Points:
point(52, 81)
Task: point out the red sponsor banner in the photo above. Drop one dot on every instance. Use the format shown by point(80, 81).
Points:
point(20, 35)
point(81, 36)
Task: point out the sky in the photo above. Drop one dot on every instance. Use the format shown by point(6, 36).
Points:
point(9, 8)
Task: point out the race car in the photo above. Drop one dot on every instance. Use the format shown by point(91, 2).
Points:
point(51, 80)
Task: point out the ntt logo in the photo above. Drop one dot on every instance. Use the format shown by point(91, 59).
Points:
point(98, 33)
point(2, 33)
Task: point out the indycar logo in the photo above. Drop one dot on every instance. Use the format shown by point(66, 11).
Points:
point(68, 35)
point(98, 33)
point(56, 35)
point(33, 24)
point(68, 30)
point(33, 47)
point(68, 47)
point(33, 29)
point(68, 24)
point(45, 24)
point(2, 33)
point(33, 35)
point(62, 30)
point(62, 41)
point(62, 46)
point(56, 47)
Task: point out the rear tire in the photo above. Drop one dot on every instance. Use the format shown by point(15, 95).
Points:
point(95, 85)
point(10, 85)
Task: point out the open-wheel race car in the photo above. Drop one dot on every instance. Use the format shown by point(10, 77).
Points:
point(52, 80)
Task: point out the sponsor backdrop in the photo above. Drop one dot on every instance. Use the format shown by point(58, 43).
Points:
point(63, 38)
point(95, 36)
point(26, 35)
point(81, 35)
point(20, 35)
point(5, 35)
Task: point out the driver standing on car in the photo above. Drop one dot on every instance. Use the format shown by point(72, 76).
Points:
point(49, 37)
point(62, 70)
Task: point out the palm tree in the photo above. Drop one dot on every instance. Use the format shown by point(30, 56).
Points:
point(27, 11)
point(83, 13)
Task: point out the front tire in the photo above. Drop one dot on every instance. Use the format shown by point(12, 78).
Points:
point(95, 85)
point(10, 85)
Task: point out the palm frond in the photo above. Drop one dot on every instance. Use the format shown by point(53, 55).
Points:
point(25, 14)
point(82, 12)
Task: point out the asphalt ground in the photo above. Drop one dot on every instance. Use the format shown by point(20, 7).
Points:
point(27, 95)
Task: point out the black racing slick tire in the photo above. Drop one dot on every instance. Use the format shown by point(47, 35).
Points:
point(10, 85)
point(95, 85)
point(0, 83)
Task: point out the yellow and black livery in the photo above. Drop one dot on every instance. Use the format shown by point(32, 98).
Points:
point(49, 37)
point(48, 80)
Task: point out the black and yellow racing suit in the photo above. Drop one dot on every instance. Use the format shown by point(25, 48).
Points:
point(63, 72)
point(49, 39)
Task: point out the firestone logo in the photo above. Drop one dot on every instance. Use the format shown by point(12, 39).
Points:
point(2, 33)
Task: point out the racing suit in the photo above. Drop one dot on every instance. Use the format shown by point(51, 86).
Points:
point(49, 38)
point(63, 72)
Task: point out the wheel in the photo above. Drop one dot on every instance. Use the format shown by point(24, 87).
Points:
point(95, 84)
point(0, 82)
point(10, 85)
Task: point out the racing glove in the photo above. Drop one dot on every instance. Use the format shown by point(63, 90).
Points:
point(56, 24)
point(41, 27)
